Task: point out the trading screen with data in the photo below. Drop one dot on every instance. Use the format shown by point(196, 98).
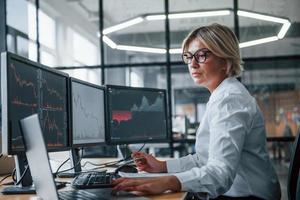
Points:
point(88, 113)
point(136, 115)
point(28, 88)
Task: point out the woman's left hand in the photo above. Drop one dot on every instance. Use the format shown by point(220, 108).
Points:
point(145, 186)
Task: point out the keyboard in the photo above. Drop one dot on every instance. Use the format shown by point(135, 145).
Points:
point(91, 180)
point(76, 194)
point(68, 174)
point(92, 194)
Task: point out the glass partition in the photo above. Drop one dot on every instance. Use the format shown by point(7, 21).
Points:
point(188, 99)
point(276, 87)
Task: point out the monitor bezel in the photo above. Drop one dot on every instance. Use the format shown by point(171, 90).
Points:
point(7, 57)
point(72, 79)
point(111, 141)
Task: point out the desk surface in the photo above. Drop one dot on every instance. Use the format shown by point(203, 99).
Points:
point(168, 196)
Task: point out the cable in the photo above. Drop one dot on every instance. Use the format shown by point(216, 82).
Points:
point(79, 161)
point(8, 175)
point(129, 157)
point(57, 171)
point(13, 174)
point(111, 163)
point(22, 176)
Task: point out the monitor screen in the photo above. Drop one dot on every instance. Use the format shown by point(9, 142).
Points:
point(88, 113)
point(136, 115)
point(27, 88)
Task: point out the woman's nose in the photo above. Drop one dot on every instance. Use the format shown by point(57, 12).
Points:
point(194, 63)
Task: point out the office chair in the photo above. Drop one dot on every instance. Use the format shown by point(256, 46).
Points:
point(293, 185)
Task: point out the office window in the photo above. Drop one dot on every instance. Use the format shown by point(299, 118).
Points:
point(182, 23)
point(11, 43)
point(21, 27)
point(68, 26)
point(17, 15)
point(47, 30)
point(32, 54)
point(84, 51)
point(136, 79)
point(23, 46)
point(254, 29)
point(47, 36)
point(151, 77)
point(47, 58)
point(129, 36)
point(89, 75)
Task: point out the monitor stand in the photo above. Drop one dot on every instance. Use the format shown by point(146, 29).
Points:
point(123, 151)
point(76, 168)
point(25, 186)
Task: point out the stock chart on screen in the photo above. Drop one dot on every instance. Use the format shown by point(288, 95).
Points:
point(34, 89)
point(88, 113)
point(136, 114)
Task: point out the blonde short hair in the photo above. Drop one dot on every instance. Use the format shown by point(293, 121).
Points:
point(222, 42)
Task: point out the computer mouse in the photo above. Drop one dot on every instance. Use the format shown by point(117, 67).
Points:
point(126, 169)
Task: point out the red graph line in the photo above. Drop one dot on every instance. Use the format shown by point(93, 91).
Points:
point(52, 91)
point(22, 82)
point(52, 108)
point(51, 126)
point(17, 102)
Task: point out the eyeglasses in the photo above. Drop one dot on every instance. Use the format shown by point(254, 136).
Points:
point(200, 56)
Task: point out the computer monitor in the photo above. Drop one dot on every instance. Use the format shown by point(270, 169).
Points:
point(28, 87)
point(88, 120)
point(136, 115)
point(88, 113)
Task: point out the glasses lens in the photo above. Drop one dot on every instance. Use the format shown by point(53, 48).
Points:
point(200, 56)
point(186, 57)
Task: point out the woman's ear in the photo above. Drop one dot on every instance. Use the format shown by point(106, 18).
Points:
point(228, 65)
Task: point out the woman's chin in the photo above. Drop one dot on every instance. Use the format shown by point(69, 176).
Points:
point(199, 82)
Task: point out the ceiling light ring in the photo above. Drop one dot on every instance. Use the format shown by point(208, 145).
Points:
point(150, 17)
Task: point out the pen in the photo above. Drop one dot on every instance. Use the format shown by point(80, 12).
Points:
point(134, 159)
point(139, 158)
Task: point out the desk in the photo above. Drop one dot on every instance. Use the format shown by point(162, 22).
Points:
point(168, 196)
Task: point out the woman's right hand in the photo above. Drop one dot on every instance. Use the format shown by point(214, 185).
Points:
point(148, 163)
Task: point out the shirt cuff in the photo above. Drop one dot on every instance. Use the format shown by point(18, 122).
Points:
point(183, 178)
point(173, 165)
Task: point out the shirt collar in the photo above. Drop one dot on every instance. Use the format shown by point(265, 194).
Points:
point(220, 87)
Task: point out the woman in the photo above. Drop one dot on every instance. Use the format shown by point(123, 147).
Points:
point(231, 158)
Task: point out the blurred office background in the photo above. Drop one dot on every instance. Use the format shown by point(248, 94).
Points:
point(66, 34)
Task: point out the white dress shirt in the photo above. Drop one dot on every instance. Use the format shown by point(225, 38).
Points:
point(231, 156)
